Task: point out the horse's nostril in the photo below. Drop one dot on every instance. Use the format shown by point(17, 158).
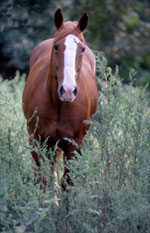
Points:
point(75, 91)
point(61, 91)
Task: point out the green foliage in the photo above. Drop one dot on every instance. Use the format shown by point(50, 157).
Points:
point(111, 178)
point(120, 29)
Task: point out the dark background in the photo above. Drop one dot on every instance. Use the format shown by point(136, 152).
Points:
point(119, 29)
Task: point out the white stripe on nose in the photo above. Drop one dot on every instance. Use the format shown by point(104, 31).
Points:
point(69, 82)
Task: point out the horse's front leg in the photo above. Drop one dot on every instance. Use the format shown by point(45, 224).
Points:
point(68, 155)
point(58, 154)
point(51, 166)
point(39, 177)
point(35, 146)
point(40, 161)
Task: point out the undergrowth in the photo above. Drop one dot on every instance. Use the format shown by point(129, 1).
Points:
point(111, 179)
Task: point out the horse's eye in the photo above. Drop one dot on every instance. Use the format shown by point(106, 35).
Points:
point(56, 47)
point(82, 49)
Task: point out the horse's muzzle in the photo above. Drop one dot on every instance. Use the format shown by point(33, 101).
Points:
point(67, 95)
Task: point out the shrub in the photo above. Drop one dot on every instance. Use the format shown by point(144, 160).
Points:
point(111, 178)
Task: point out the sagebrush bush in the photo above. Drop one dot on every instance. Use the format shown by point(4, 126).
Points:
point(111, 179)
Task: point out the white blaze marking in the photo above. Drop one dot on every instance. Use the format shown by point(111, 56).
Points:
point(69, 62)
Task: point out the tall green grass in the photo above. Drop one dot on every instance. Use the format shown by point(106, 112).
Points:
point(111, 179)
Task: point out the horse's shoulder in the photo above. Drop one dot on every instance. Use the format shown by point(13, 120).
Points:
point(41, 50)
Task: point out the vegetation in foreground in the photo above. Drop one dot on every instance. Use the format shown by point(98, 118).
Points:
point(112, 177)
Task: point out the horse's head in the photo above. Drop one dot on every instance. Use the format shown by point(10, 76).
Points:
point(68, 50)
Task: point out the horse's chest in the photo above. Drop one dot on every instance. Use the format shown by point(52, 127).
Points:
point(57, 129)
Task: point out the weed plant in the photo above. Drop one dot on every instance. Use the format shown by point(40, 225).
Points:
point(111, 179)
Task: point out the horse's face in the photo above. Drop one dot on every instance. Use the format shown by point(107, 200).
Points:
point(68, 53)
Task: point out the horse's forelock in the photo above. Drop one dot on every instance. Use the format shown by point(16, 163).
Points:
point(68, 28)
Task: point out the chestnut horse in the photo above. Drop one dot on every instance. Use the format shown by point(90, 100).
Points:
point(61, 88)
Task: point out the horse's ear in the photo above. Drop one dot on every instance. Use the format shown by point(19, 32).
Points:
point(83, 22)
point(58, 18)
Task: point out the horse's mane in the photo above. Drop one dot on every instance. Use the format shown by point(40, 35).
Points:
point(69, 28)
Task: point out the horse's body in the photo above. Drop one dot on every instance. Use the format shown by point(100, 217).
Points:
point(61, 106)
